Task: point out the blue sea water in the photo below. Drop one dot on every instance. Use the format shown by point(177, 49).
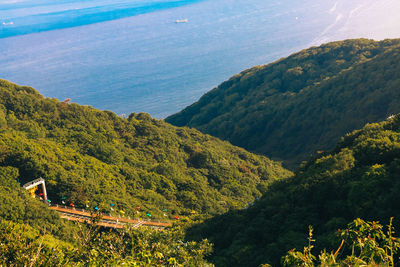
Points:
point(29, 16)
point(146, 62)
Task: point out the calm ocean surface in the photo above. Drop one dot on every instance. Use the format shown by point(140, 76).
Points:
point(136, 58)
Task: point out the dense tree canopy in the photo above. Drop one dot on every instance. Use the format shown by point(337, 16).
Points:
point(17, 206)
point(360, 178)
point(23, 245)
point(287, 109)
point(296, 106)
point(94, 157)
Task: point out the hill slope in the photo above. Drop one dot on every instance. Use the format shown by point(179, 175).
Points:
point(16, 205)
point(360, 178)
point(298, 105)
point(93, 157)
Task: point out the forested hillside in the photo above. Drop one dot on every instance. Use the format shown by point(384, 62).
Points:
point(17, 206)
point(296, 106)
point(360, 178)
point(95, 158)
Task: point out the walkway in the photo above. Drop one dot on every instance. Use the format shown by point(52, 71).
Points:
point(80, 215)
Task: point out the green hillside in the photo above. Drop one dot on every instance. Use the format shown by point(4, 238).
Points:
point(296, 106)
point(94, 157)
point(360, 178)
point(17, 206)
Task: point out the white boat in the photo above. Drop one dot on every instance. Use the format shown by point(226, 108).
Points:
point(181, 21)
point(8, 23)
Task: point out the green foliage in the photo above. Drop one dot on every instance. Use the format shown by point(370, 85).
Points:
point(17, 206)
point(305, 258)
point(95, 157)
point(360, 178)
point(9, 177)
point(22, 245)
point(141, 247)
point(296, 106)
point(363, 243)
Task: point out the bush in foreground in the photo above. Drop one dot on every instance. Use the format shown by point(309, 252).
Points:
point(362, 244)
point(22, 245)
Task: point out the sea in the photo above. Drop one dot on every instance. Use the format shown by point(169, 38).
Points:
point(158, 56)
